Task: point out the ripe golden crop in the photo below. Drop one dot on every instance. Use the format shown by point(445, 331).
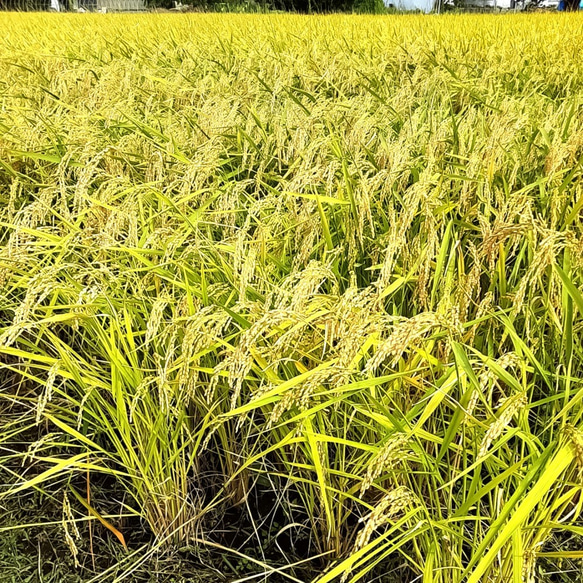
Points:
point(332, 259)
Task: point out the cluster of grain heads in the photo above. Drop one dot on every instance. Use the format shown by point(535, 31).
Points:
point(332, 262)
point(391, 505)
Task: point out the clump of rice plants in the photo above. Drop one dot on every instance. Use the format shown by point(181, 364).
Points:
point(306, 291)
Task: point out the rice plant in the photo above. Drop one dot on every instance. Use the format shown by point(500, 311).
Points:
point(318, 276)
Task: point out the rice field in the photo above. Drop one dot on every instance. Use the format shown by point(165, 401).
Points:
point(303, 291)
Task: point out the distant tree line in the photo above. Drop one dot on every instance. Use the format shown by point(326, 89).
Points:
point(25, 5)
point(34, 5)
point(304, 6)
